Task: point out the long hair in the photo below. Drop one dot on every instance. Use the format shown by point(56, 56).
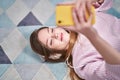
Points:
point(42, 50)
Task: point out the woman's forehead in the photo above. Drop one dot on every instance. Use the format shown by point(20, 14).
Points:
point(43, 35)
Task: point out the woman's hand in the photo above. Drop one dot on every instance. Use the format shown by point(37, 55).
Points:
point(85, 27)
point(82, 24)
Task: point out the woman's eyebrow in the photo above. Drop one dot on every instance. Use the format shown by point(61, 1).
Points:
point(47, 38)
point(48, 30)
point(47, 42)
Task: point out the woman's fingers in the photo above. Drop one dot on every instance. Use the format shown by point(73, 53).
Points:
point(77, 4)
point(84, 8)
point(90, 19)
point(80, 6)
point(88, 7)
point(75, 17)
point(79, 16)
point(81, 13)
point(90, 13)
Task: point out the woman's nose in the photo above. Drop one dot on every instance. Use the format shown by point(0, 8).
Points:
point(55, 35)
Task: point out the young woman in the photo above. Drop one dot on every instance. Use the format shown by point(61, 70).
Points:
point(91, 51)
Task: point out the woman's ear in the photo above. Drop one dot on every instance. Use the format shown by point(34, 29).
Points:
point(55, 56)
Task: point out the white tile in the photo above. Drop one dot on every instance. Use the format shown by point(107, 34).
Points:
point(17, 11)
point(13, 44)
point(44, 74)
point(1, 11)
point(43, 10)
point(10, 74)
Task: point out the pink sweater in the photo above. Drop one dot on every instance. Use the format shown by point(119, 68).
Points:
point(87, 62)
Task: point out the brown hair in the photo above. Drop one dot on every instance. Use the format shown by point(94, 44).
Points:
point(41, 49)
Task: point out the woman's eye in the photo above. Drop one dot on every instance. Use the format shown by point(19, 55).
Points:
point(51, 42)
point(52, 30)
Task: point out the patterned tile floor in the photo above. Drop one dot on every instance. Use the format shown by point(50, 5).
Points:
point(18, 18)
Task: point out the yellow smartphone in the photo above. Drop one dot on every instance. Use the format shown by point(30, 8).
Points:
point(64, 15)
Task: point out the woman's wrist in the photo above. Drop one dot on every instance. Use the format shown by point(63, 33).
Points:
point(90, 33)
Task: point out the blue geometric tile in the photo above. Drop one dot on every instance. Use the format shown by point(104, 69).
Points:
point(17, 11)
point(10, 74)
point(30, 3)
point(27, 71)
point(44, 73)
point(4, 32)
point(26, 31)
point(5, 21)
point(29, 20)
point(3, 68)
point(43, 10)
point(56, 68)
point(5, 4)
point(3, 57)
point(1, 11)
point(13, 44)
point(51, 21)
point(114, 12)
point(27, 56)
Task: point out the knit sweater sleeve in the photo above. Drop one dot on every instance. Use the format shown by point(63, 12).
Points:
point(90, 65)
point(98, 69)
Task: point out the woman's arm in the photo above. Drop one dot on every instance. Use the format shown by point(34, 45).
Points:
point(110, 55)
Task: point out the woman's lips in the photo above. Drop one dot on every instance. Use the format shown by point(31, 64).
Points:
point(61, 36)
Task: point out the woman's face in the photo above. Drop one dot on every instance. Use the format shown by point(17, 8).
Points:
point(54, 38)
